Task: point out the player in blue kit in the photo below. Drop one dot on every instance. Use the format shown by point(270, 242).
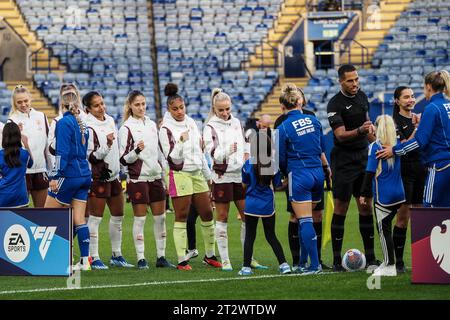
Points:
point(384, 178)
point(14, 161)
point(259, 173)
point(71, 176)
point(433, 139)
point(301, 158)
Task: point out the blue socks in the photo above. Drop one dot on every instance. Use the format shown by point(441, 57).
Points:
point(308, 243)
point(303, 251)
point(82, 231)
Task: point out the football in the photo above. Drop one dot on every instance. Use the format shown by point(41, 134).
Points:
point(354, 260)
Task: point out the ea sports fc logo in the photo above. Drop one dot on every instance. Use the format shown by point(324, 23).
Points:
point(16, 243)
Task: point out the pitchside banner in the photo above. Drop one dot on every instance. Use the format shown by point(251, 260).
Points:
point(430, 242)
point(35, 242)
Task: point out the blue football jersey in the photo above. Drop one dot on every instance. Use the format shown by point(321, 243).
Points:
point(13, 188)
point(259, 200)
point(300, 142)
point(71, 153)
point(387, 184)
point(433, 134)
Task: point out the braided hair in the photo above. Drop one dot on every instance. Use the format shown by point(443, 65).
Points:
point(70, 101)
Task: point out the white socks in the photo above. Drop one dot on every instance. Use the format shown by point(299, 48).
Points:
point(242, 235)
point(159, 230)
point(222, 240)
point(138, 236)
point(93, 224)
point(115, 235)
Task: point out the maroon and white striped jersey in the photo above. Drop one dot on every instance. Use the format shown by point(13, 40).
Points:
point(145, 165)
point(219, 135)
point(103, 160)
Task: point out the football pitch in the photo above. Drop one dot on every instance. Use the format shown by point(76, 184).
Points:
point(207, 283)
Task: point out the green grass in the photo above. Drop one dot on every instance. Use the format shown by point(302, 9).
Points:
point(209, 284)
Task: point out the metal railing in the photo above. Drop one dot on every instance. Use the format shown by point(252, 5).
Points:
point(302, 57)
point(346, 48)
point(275, 53)
point(1, 67)
point(84, 62)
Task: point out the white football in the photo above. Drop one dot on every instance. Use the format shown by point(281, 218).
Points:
point(354, 260)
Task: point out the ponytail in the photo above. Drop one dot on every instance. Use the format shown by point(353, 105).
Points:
point(386, 134)
point(216, 95)
point(439, 81)
point(290, 96)
point(70, 101)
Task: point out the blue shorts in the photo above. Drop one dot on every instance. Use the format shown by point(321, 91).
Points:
point(71, 189)
point(306, 185)
point(437, 186)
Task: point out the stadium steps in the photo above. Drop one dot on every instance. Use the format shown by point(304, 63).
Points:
point(12, 14)
point(265, 54)
point(272, 105)
point(38, 100)
point(390, 11)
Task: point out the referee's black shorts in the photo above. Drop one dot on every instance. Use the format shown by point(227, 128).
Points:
point(413, 176)
point(348, 168)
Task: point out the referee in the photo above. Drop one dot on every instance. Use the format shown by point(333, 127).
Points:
point(348, 117)
point(413, 171)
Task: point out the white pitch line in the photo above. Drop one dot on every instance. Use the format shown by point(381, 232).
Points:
point(156, 283)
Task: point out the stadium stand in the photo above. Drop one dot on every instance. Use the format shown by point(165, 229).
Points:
point(202, 44)
point(5, 102)
point(417, 44)
point(108, 39)
point(105, 45)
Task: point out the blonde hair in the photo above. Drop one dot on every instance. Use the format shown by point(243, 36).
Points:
point(217, 95)
point(69, 100)
point(439, 81)
point(387, 135)
point(75, 99)
point(127, 112)
point(17, 90)
point(290, 96)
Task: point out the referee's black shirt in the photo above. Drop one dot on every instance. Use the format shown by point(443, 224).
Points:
point(350, 112)
point(405, 129)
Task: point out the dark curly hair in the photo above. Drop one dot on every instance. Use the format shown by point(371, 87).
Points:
point(171, 92)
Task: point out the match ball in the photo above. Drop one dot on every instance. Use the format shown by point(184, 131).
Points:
point(354, 260)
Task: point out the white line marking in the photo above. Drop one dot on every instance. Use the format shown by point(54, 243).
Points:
point(157, 283)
